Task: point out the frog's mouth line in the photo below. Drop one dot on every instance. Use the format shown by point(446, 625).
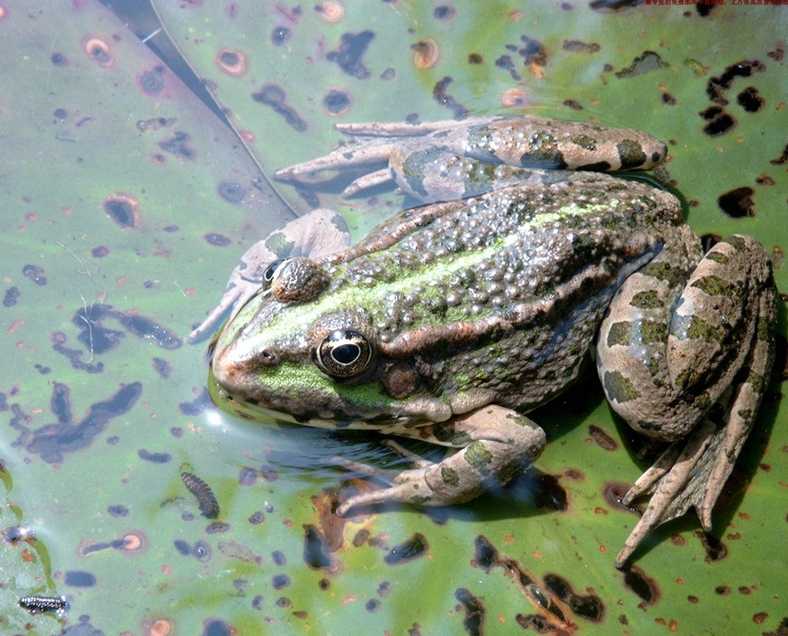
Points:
point(255, 411)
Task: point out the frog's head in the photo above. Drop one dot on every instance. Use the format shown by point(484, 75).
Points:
point(304, 350)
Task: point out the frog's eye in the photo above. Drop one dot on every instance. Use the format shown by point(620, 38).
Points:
point(344, 353)
point(268, 274)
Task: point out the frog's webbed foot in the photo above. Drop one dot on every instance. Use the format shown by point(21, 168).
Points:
point(691, 473)
point(492, 444)
point(319, 233)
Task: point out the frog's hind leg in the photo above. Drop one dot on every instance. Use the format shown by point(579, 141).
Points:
point(700, 379)
point(493, 443)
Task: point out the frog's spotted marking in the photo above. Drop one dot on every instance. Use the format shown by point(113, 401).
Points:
point(279, 244)
point(684, 327)
point(619, 333)
point(631, 154)
point(584, 141)
point(648, 299)
point(478, 456)
point(618, 387)
point(449, 476)
point(715, 286)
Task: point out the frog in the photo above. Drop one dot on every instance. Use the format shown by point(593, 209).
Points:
point(524, 255)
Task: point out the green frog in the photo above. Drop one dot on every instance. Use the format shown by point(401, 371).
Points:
point(454, 319)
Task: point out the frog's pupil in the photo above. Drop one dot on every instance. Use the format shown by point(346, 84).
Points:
point(346, 353)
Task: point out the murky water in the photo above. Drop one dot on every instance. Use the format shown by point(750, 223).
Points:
point(126, 203)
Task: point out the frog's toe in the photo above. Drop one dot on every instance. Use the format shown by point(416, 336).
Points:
point(673, 490)
point(228, 301)
point(367, 181)
point(413, 489)
point(353, 156)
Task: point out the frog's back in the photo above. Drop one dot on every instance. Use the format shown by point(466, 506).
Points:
point(506, 290)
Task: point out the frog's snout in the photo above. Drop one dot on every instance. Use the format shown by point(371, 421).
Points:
point(233, 368)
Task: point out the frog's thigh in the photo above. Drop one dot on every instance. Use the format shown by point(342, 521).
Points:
point(494, 444)
point(663, 368)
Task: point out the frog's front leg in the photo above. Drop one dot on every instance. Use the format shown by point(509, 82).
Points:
point(494, 444)
point(319, 233)
point(688, 363)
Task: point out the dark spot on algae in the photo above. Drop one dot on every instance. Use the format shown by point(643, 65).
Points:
point(618, 387)
point(123, 209)
point(440, 94)
point(588, 606)
point(336, 102)
point(218, 240)
point(475, 58)
point(201, 551)
point(781, 159)
point(197, 405)
point(231, 191)
point(179, 145)
point(717, 86)
point(52, 441)
point(274, 96)
point(719, 122)
point(413, 548)
point(100, 339)
point(217, 627)
point(474, 611)
point(536, 623)
point(348, 56)
point(79, 578)
point(737, 202)
point(602, 439)
point(11, 296)
point(280, 35)
point(152, 81)
point(642, 585)
point(35, 273)
point(280, 581)
point(444, 12)
point(750, 100)
point(316, 553)
point(577, 46)
point(485, 554)
point(154, 458)
point(644, 63)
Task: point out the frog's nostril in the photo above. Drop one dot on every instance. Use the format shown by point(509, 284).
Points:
point(268, 358)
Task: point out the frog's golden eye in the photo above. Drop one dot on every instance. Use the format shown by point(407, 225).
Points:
point(344, 353)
